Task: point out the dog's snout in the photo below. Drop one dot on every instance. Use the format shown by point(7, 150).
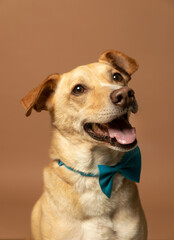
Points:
point(123, 97)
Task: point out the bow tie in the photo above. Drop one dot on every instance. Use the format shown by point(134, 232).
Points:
point(129, 167)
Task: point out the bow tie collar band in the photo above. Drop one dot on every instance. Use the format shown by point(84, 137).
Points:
point(129, 167)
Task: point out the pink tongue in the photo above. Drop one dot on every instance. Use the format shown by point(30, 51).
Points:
point(123, 133)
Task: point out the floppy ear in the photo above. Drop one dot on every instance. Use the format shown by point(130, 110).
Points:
point(120, 61)
point(38, 97)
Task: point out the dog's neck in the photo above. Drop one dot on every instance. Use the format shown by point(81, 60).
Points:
point(80, 154)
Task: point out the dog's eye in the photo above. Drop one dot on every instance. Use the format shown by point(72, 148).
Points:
point(117, 77)
point(78, 90)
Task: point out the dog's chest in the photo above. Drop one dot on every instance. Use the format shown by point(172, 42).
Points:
point(93, 201)
point(99, 229)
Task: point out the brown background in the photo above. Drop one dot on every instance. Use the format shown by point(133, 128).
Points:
point(39, 37)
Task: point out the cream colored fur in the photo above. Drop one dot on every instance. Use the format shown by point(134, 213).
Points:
point(73, 207)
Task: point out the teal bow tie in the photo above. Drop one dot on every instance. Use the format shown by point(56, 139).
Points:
point(129, 167)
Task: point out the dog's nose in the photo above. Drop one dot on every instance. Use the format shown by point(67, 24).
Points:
point(123, 97)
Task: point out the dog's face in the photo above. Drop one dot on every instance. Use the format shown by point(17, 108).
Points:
point(92, 102)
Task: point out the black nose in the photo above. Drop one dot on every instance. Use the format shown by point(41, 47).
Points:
point(123, 97)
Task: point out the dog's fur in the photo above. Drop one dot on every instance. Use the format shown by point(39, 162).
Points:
point(73, 207)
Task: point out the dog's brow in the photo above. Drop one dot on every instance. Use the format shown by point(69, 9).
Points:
point(113, 86)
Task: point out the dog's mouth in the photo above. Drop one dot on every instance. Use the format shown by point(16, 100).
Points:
point(118, 132)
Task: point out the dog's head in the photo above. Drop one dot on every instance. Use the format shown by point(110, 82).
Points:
point(92, 102)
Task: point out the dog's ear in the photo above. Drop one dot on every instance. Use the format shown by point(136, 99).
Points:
point(38, 97)
point(120, 61)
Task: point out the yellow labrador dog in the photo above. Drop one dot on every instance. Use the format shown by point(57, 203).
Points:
point(89, 185)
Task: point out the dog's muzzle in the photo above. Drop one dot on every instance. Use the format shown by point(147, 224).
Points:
point(119, 131)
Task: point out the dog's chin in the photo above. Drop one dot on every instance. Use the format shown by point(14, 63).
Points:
point(117, 134)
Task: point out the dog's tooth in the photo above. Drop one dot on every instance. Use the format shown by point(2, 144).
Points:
point(99, 129)
point(94, 126)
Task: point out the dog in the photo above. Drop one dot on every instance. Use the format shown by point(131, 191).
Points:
point(90, 108)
